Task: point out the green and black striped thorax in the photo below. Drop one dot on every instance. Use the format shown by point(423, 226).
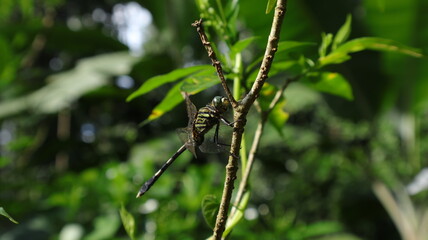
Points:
point(209, 116)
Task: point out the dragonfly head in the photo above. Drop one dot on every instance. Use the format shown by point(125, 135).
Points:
point(220, 103)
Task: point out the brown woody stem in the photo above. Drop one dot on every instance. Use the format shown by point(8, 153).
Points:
point(215, 62)
point(241, 108)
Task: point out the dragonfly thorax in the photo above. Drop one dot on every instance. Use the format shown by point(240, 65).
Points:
point(208, 116)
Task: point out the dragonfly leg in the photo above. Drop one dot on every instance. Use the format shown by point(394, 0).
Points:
point(225, 121)
point(215, 139)
point(230, 124)
point(216, 133)
point(233, 155)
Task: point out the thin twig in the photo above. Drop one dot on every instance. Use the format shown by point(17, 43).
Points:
point(241, 111)
point(215, 62)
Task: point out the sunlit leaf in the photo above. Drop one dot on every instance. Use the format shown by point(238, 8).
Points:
point(4, 213)
point(340, 54)
point(160, 80)
point(278, 116)
point(200, 81)
point(343, 33)
point(325, 43)
point(266, 95)
point(172, 99)
point(128, 222)
point(210, 206)
point(270, 5)
point(329, 82)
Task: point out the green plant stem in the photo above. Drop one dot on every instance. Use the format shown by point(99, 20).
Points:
point(237, 70)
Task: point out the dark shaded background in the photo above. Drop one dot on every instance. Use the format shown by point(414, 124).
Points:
point(70, 160)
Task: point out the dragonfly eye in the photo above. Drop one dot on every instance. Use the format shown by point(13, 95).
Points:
point(225, 102)
point(220, 103)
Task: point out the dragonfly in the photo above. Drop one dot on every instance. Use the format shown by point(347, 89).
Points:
point(200, 122)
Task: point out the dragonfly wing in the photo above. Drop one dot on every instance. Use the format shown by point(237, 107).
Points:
point(184, 135)
point(222, 144)
point(191, 108)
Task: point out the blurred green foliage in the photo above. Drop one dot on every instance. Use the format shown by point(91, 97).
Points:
point(72, 156)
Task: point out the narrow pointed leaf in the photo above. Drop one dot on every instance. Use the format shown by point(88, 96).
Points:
point(160, 80)
point(285, 47)
point(325, 43)
point(4, 213)
point(343, 33)
point(242, 44)
point(200, 81)
point(270, 5)
point(172, 99)
point(128, 222)
point(341, 54)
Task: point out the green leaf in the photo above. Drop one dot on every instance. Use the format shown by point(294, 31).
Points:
point(329, 82)
point(325, 43)
point(231, 223)
point(270, 5)
point(128, 222)
point(200, 81)
point(340, 54)
point(288, 46)
point(343, 33)
point(160, 80)
point(291, 68)
point(172, 99)
point(284, 47)
point(210, 206)
point(242, 44)
point(266, 95)
point(278, 116)
point(4, 213)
